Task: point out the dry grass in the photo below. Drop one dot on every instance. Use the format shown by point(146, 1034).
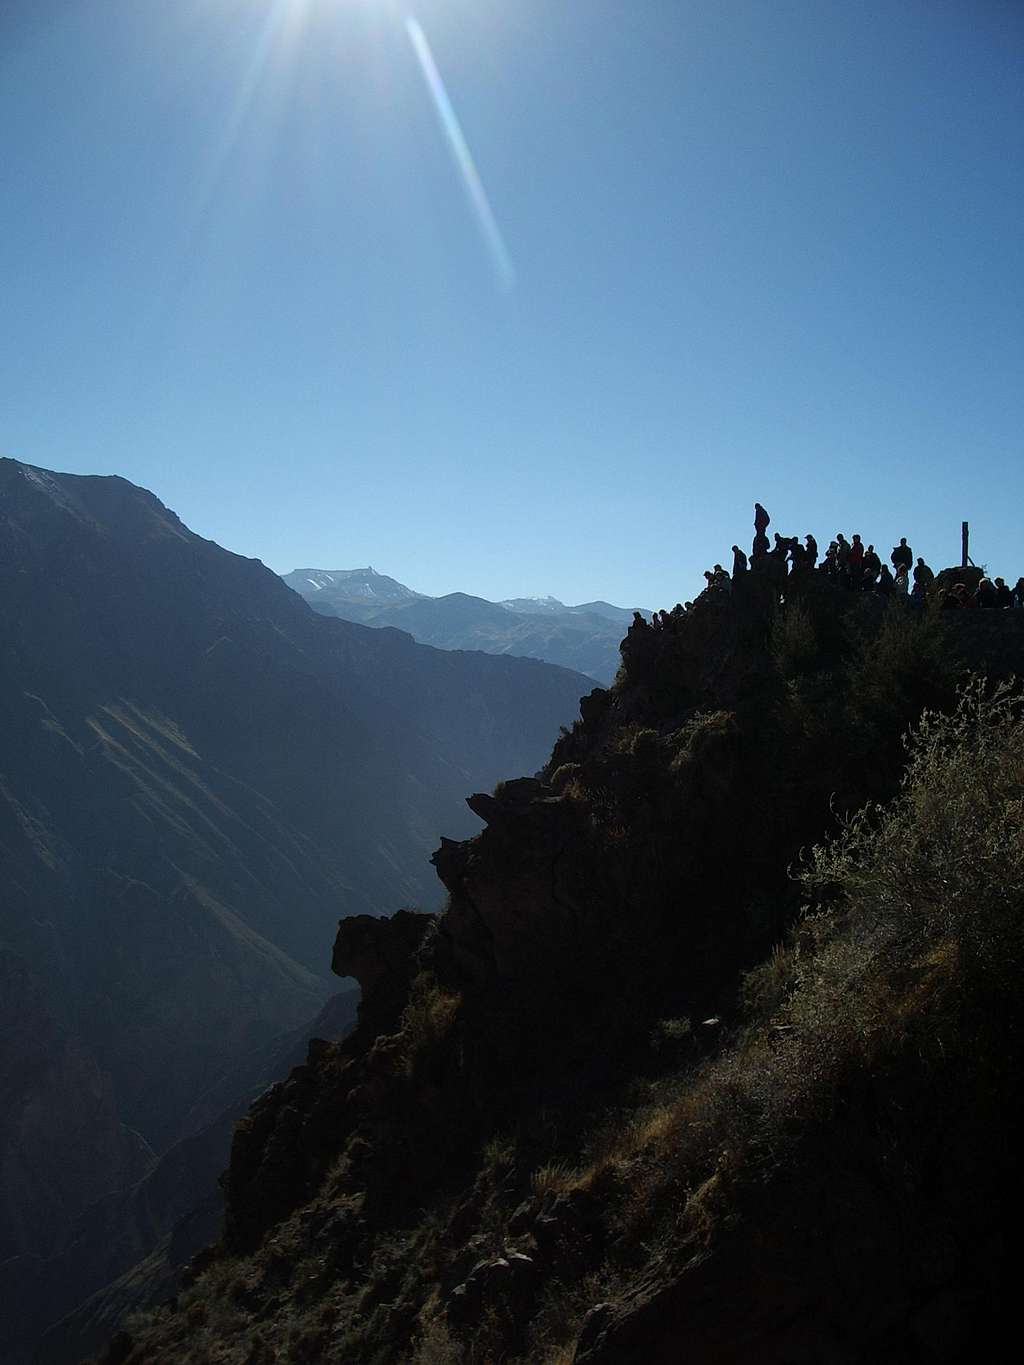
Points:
point(427, 1020)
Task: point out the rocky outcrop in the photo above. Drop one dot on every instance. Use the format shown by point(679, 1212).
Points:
point(282, 1149)
point(477, 1156)
point(380, 953)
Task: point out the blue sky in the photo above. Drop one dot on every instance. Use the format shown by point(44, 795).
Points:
point(761, 249)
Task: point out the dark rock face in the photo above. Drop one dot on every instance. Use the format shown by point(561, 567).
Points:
point(379, 952)
point(281, 1150)
point(629, 886)
point(191, 762)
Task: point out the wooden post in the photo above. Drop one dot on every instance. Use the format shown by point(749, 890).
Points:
point(965, 533)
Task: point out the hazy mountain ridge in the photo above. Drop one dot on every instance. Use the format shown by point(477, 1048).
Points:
point(585, 638)
point(198, 775)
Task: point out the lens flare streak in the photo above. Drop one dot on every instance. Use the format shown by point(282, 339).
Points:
point(497, 250)
point(278, 16)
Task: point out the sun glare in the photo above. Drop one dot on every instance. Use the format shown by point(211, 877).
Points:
point(283, 29)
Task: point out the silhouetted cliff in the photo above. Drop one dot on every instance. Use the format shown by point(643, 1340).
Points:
point(658, 1084)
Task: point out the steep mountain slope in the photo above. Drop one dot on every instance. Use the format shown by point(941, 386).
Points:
point(584, 638)
point(198, 775)
point(590, 1114)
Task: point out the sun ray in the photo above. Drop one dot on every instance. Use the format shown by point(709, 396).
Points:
point(501, 260)
point(279, 15)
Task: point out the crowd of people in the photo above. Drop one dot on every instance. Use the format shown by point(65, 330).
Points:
point(850, 564)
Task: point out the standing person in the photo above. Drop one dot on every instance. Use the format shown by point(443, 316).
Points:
point(739, 561)
point(1004, 597)
point(1018, 592)
point(811, 552)
point(843, 557)
point(856, 560)
point(902, 556)
point(901, 584)
point(885, 584)
point(871, 566)
point(761, 523)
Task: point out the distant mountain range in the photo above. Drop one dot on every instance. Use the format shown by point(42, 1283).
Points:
point(584, 637)
point(198, 776)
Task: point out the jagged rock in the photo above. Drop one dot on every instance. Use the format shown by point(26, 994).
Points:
point(594, 705)
point(520, 791)
point(450, 859)
point(508, 797)
point(595, 1322)
point(521, 1220)
point(378, 952)
point(507, 1280)
point(524, 1267)
point(485, 806)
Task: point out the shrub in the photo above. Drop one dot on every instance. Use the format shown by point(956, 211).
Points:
point(794, 640)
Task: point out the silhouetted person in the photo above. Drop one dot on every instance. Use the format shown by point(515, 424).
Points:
point(721, 578)
point(901, 583)
point(739, 561)
point(811, 550)
point(1018, 592)
point(855, 561)
point(985, 593)
point(923, 575)
point(1004, 597)
point(870, 567)
point(902, 555)
point(885, 583)
point(761, 545)
point(842, 554)
point(776, 559)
